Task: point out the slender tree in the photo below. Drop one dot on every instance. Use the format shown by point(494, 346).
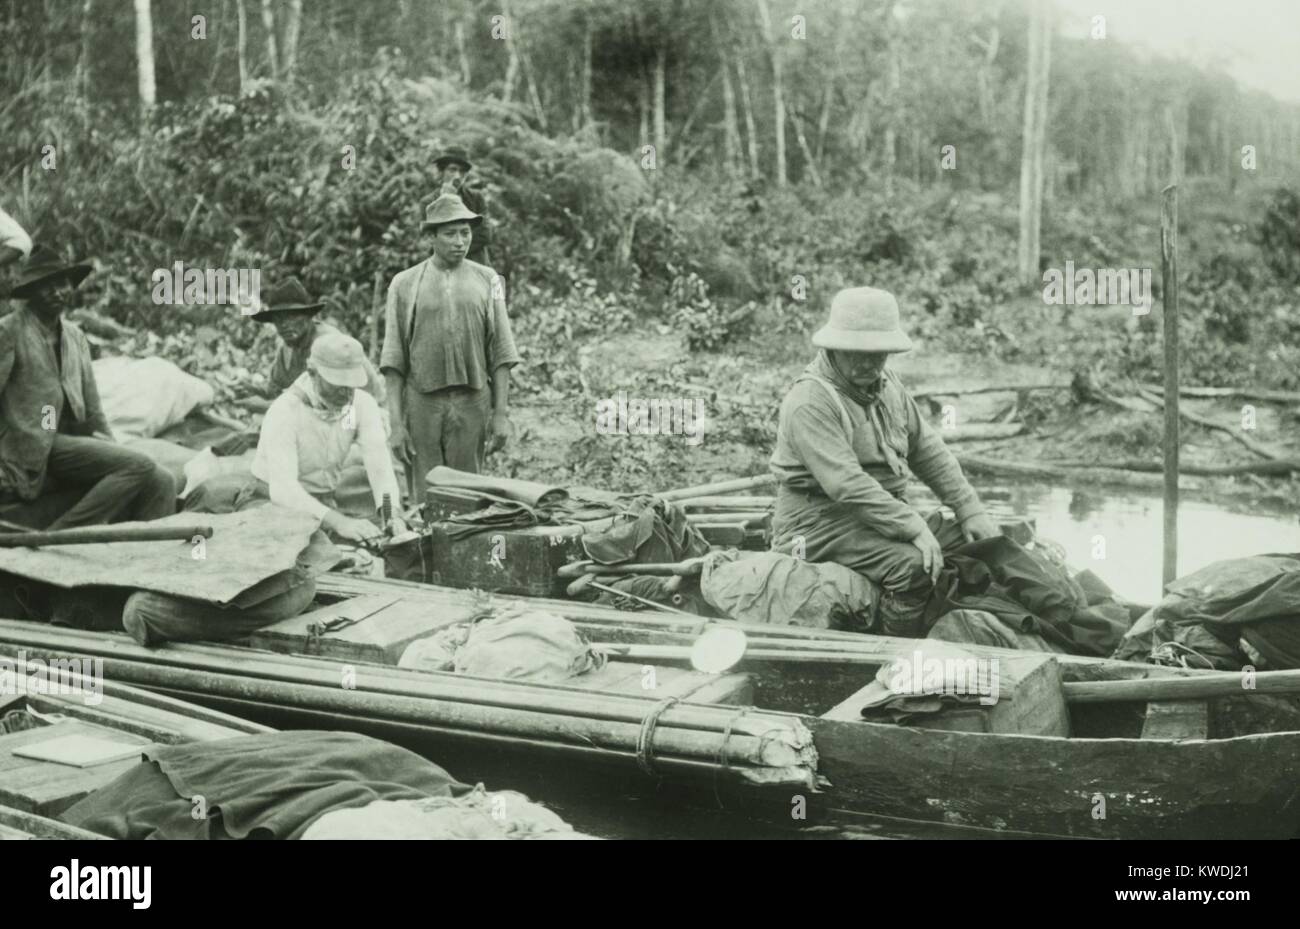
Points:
point(144, 53)
point(1034, 141)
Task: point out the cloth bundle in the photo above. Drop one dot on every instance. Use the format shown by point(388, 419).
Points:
point(768, 587)
point(515, 643)
point(646, 529)
point(1230, 613)
point(481, 814)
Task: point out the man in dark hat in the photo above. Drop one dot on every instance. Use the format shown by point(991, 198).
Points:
point(448, 351)
point(848, 439)
point(452, 170)
point(292, 312)
point(53, 432)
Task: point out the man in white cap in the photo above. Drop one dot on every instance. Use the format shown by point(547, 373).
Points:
point(848, 439)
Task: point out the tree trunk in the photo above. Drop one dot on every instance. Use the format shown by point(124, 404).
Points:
point(808, 158)
point(643, 106)
point(462, 57)
point(894, 85)
point(1035, 135)
point(268, 23)
point(751, 133)
point(778, 91)
point(292, 29)
point(730, 127)
point(82, 78)
point(512, 56)
point(242, 45)
point(584, 84)
point(661, 131)
point(144, 53)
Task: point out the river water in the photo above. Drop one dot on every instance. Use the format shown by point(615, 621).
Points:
point(1120, 537)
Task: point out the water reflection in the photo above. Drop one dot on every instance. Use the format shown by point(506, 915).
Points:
point(1120, 538)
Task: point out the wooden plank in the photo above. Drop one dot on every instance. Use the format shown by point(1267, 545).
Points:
point(47, 788)
point(1177, 720)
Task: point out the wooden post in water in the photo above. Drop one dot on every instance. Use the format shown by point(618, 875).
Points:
point(1169, 289)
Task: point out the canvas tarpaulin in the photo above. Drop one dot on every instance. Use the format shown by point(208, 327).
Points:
point(769, 587)
point(245, 548)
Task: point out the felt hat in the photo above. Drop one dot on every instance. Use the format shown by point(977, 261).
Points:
point(44, 267)
point(449, 208)
point(288, 296)
point(339, 359)
point(863, 319)
point(453, 153)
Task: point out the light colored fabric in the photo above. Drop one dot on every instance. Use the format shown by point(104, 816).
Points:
point(447, 328)
point(291, 361)
point(144, 396)
point(13, 235)
point(864, 473)
point(301, 451)
point(481, 814)
point(768, 587)
point(978, 627)
point(527, 645)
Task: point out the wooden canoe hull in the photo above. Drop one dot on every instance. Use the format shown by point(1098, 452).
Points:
point(1243, 787)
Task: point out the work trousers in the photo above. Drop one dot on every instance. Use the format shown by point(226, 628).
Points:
point(447, 427)
point(153, 618)
point(827, 531)
point(120, 484)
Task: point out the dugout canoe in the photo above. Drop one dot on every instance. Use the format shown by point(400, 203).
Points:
point(41, 712)
point(1124, 772)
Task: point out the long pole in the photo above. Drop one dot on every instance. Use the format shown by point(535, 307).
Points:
point(1169, 284)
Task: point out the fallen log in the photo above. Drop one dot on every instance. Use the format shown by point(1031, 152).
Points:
point(991, 389)
point(975, 432)
point(720, 487)
point(1258, 449)
point(1231, 393)
point(1278, 467)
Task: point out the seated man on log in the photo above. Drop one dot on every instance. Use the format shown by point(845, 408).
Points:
point(305, 439)
point(847, 436)
point(54, 437)
point(293, 313)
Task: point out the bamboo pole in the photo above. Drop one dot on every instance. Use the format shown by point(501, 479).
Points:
point(100, 534)
point(1214, 684)
point(1169, 284)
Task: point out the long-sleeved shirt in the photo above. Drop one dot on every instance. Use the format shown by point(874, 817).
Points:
point(447, 328)
point(301, 449)
point(13, 235)
point(40, 375)
point(815, 454)
point(291, 360)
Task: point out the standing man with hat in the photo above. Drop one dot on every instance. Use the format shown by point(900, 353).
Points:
point(452, 168)
point(448, 351)
point(848, 438)
point(292, 312)
point(53, 432)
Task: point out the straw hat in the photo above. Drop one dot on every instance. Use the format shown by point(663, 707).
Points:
point(449, 208)
point(863, 319)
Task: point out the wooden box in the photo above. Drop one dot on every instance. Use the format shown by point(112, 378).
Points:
point(512, 561)
point(1031, 701)
point(374, 628)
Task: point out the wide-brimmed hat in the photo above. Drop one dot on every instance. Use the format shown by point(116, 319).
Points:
point(339, 359)
point(453, 153)
point(42, 268)
point(449, 208)
point(863, 319)
point(288, 296)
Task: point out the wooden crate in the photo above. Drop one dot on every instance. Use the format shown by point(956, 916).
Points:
point(373, 628)
point(512, 561)
point(48, 788)
point(1030, 702)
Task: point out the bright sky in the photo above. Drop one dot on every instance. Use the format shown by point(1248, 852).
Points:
point(1255, 41)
